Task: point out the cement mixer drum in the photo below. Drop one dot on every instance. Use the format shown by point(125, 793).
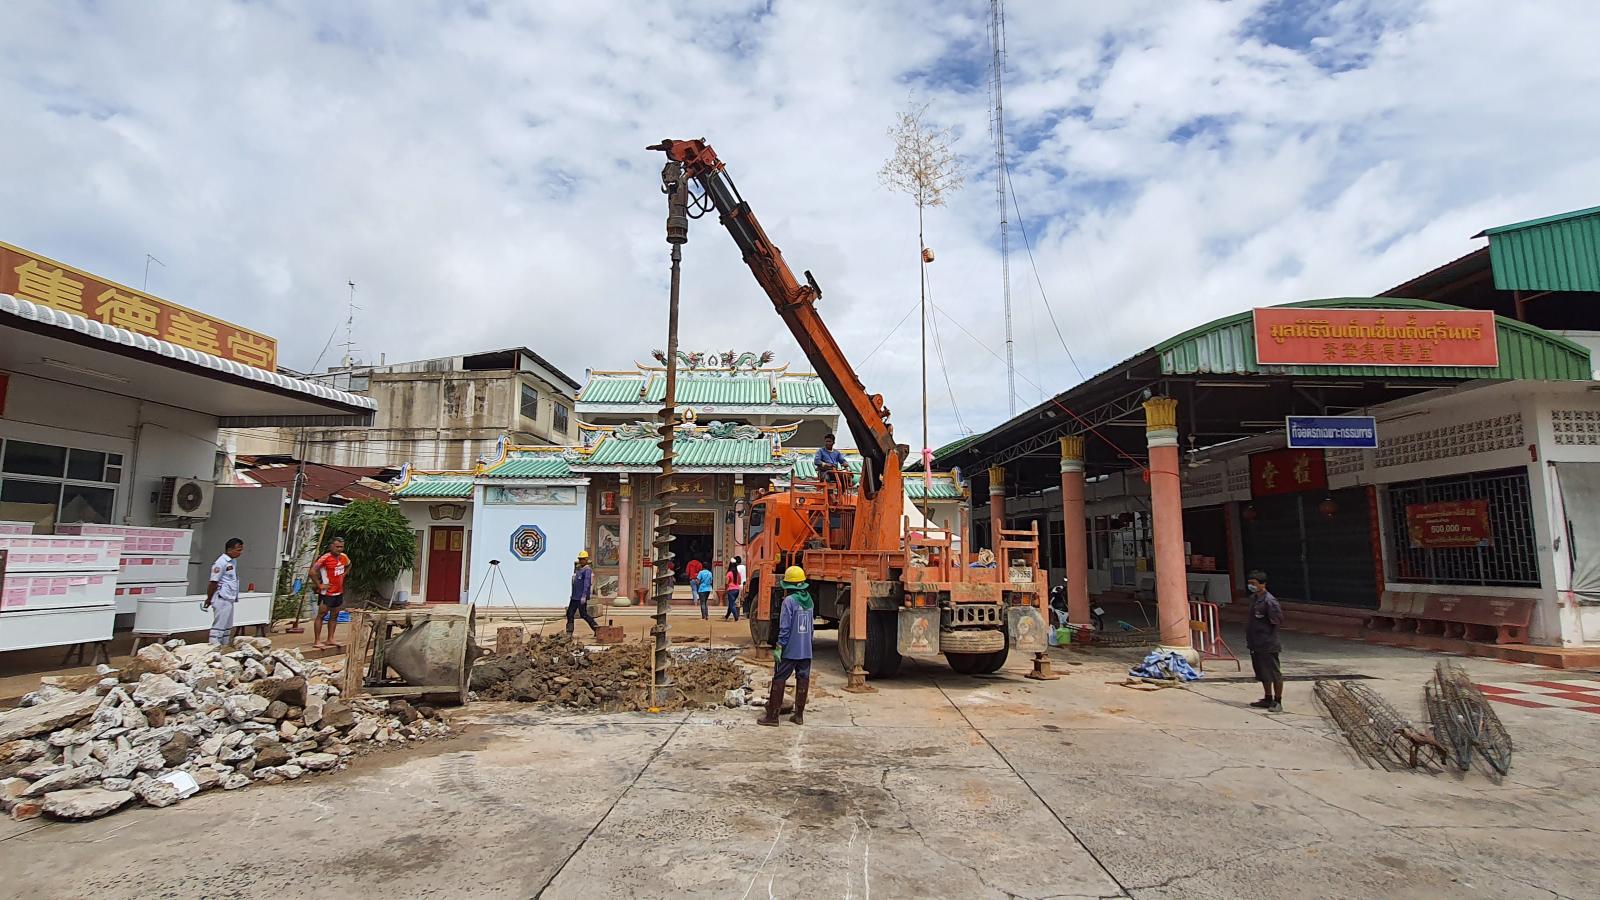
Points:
point(431, 651)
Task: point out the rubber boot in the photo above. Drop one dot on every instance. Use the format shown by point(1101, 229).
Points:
point(802, 687)
point(774, 703)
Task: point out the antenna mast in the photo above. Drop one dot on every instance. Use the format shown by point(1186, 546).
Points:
point(349, 327)
point(997, 127)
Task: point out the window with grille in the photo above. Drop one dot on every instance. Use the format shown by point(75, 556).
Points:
point(561, 417)
point(1509, 559)
point(530, 403)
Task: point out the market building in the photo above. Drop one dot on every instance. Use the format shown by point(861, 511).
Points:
point(1466, 524)
point(113, 405)
point(602, 495)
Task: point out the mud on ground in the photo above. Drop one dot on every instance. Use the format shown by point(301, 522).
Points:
point(554, 669)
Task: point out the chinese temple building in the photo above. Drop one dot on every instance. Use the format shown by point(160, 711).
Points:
point(747, 427)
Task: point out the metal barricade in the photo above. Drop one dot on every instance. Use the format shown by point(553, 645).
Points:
point(1206, 627)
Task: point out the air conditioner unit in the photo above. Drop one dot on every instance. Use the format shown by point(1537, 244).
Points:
point(185, 498)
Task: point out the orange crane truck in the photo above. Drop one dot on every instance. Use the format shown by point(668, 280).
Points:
point(892, 589)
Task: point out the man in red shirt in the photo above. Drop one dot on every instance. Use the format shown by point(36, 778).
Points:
point(327, 574)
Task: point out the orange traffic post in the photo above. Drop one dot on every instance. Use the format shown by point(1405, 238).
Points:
point(1076, 534)
point(1166, 507)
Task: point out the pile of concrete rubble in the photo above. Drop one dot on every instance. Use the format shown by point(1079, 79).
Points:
point(617, 678)
point(179, 719)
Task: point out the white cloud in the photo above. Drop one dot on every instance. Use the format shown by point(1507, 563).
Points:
point(481, 174)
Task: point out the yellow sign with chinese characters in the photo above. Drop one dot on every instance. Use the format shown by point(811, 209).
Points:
point(41, 280)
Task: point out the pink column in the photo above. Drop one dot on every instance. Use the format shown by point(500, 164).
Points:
point(1077, 537)
point(1166, 507)
point(997, 513)
point(625, 559)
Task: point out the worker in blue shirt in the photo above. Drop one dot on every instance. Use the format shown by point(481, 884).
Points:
point(582, 587)
point(792, 653)
point(702, 590)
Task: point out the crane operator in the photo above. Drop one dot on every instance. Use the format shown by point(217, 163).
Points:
point(830, 461)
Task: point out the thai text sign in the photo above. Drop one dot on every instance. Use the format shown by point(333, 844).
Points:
point(1333, 431)
point(1449, 524)
point(1375, 337)
point(49, 283)
point(1287, 472)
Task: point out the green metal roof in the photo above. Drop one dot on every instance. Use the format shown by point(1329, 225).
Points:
point(605, 389)
point(437, 486)
point(944, 487)
point(530, 467)
point(1555, 253)
point(1227, 347)
point(710, 452)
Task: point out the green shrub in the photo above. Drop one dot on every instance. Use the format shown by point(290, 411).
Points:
point(379, 542)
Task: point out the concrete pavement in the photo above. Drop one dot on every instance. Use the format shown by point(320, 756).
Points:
point(939, 785)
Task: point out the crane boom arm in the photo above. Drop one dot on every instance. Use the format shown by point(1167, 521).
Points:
point(795, 302)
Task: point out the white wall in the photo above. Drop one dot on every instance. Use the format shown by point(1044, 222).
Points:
point(545, 582)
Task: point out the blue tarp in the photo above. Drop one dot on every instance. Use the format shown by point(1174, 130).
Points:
point(1165, 665)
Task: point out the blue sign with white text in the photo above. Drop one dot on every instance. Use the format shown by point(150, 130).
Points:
point(1350, 432)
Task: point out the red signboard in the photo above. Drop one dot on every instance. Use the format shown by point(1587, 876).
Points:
point(1375, 337)
point(1287, 472)
point(1449, 524)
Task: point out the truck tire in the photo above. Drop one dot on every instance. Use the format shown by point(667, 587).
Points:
point(881, 651)
point(761, 631)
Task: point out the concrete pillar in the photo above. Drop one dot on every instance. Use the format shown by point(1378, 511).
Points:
point(997, 512)
point(1166, 507)
point(739, 526)
point(625, 561)
point(1077, 537)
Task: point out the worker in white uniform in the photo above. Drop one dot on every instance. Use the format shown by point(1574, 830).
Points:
point(223, 591)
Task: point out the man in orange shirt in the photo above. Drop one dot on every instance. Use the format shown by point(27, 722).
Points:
point(327, 574)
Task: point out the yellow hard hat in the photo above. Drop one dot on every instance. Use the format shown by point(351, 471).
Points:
point(794, 575)
point(583, 554)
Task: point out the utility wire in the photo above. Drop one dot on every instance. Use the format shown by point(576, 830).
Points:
point(891, 332)
point(1022, 228)
point(938, 349)
point(1088, 426)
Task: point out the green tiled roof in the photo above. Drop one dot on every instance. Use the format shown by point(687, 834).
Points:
point(437, 486)
point(605, 389)
point(944, 488)
point(530, 467)
point(712, 452)
point(803, 392)
point(708, 389)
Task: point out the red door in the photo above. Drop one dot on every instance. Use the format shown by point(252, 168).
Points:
point(444, 564)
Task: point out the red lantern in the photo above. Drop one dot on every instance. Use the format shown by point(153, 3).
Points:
point(1328, 507)
point(1249, 513)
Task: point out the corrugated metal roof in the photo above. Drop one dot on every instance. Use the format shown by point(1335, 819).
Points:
point(804, 392)
point(612, 390)
point(530, 467)
point(1555, 253)
point(437, 486)
point(718, 452)
point(1227, 347)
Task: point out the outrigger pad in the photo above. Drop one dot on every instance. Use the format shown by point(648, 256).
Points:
point(918, 632)
point(1027, 629)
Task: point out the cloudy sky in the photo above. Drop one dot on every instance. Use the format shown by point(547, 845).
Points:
point(478, 169)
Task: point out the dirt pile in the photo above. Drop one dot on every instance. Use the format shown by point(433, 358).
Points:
point(556, 670)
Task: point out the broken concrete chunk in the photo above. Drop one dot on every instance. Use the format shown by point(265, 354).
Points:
point(318, 761)
point(43, 768)
point(276, 710)
point(245, 706)
point(271, 755)
point(235, 781)
point(156, 792)
point(122, 763)
point(176, 748)
point(73, 683)
point(44, 694)
point(338, 714)
point(84, 803)
point(23, 810)
point(116, 784)
point(159, 690)
point(65, 780)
